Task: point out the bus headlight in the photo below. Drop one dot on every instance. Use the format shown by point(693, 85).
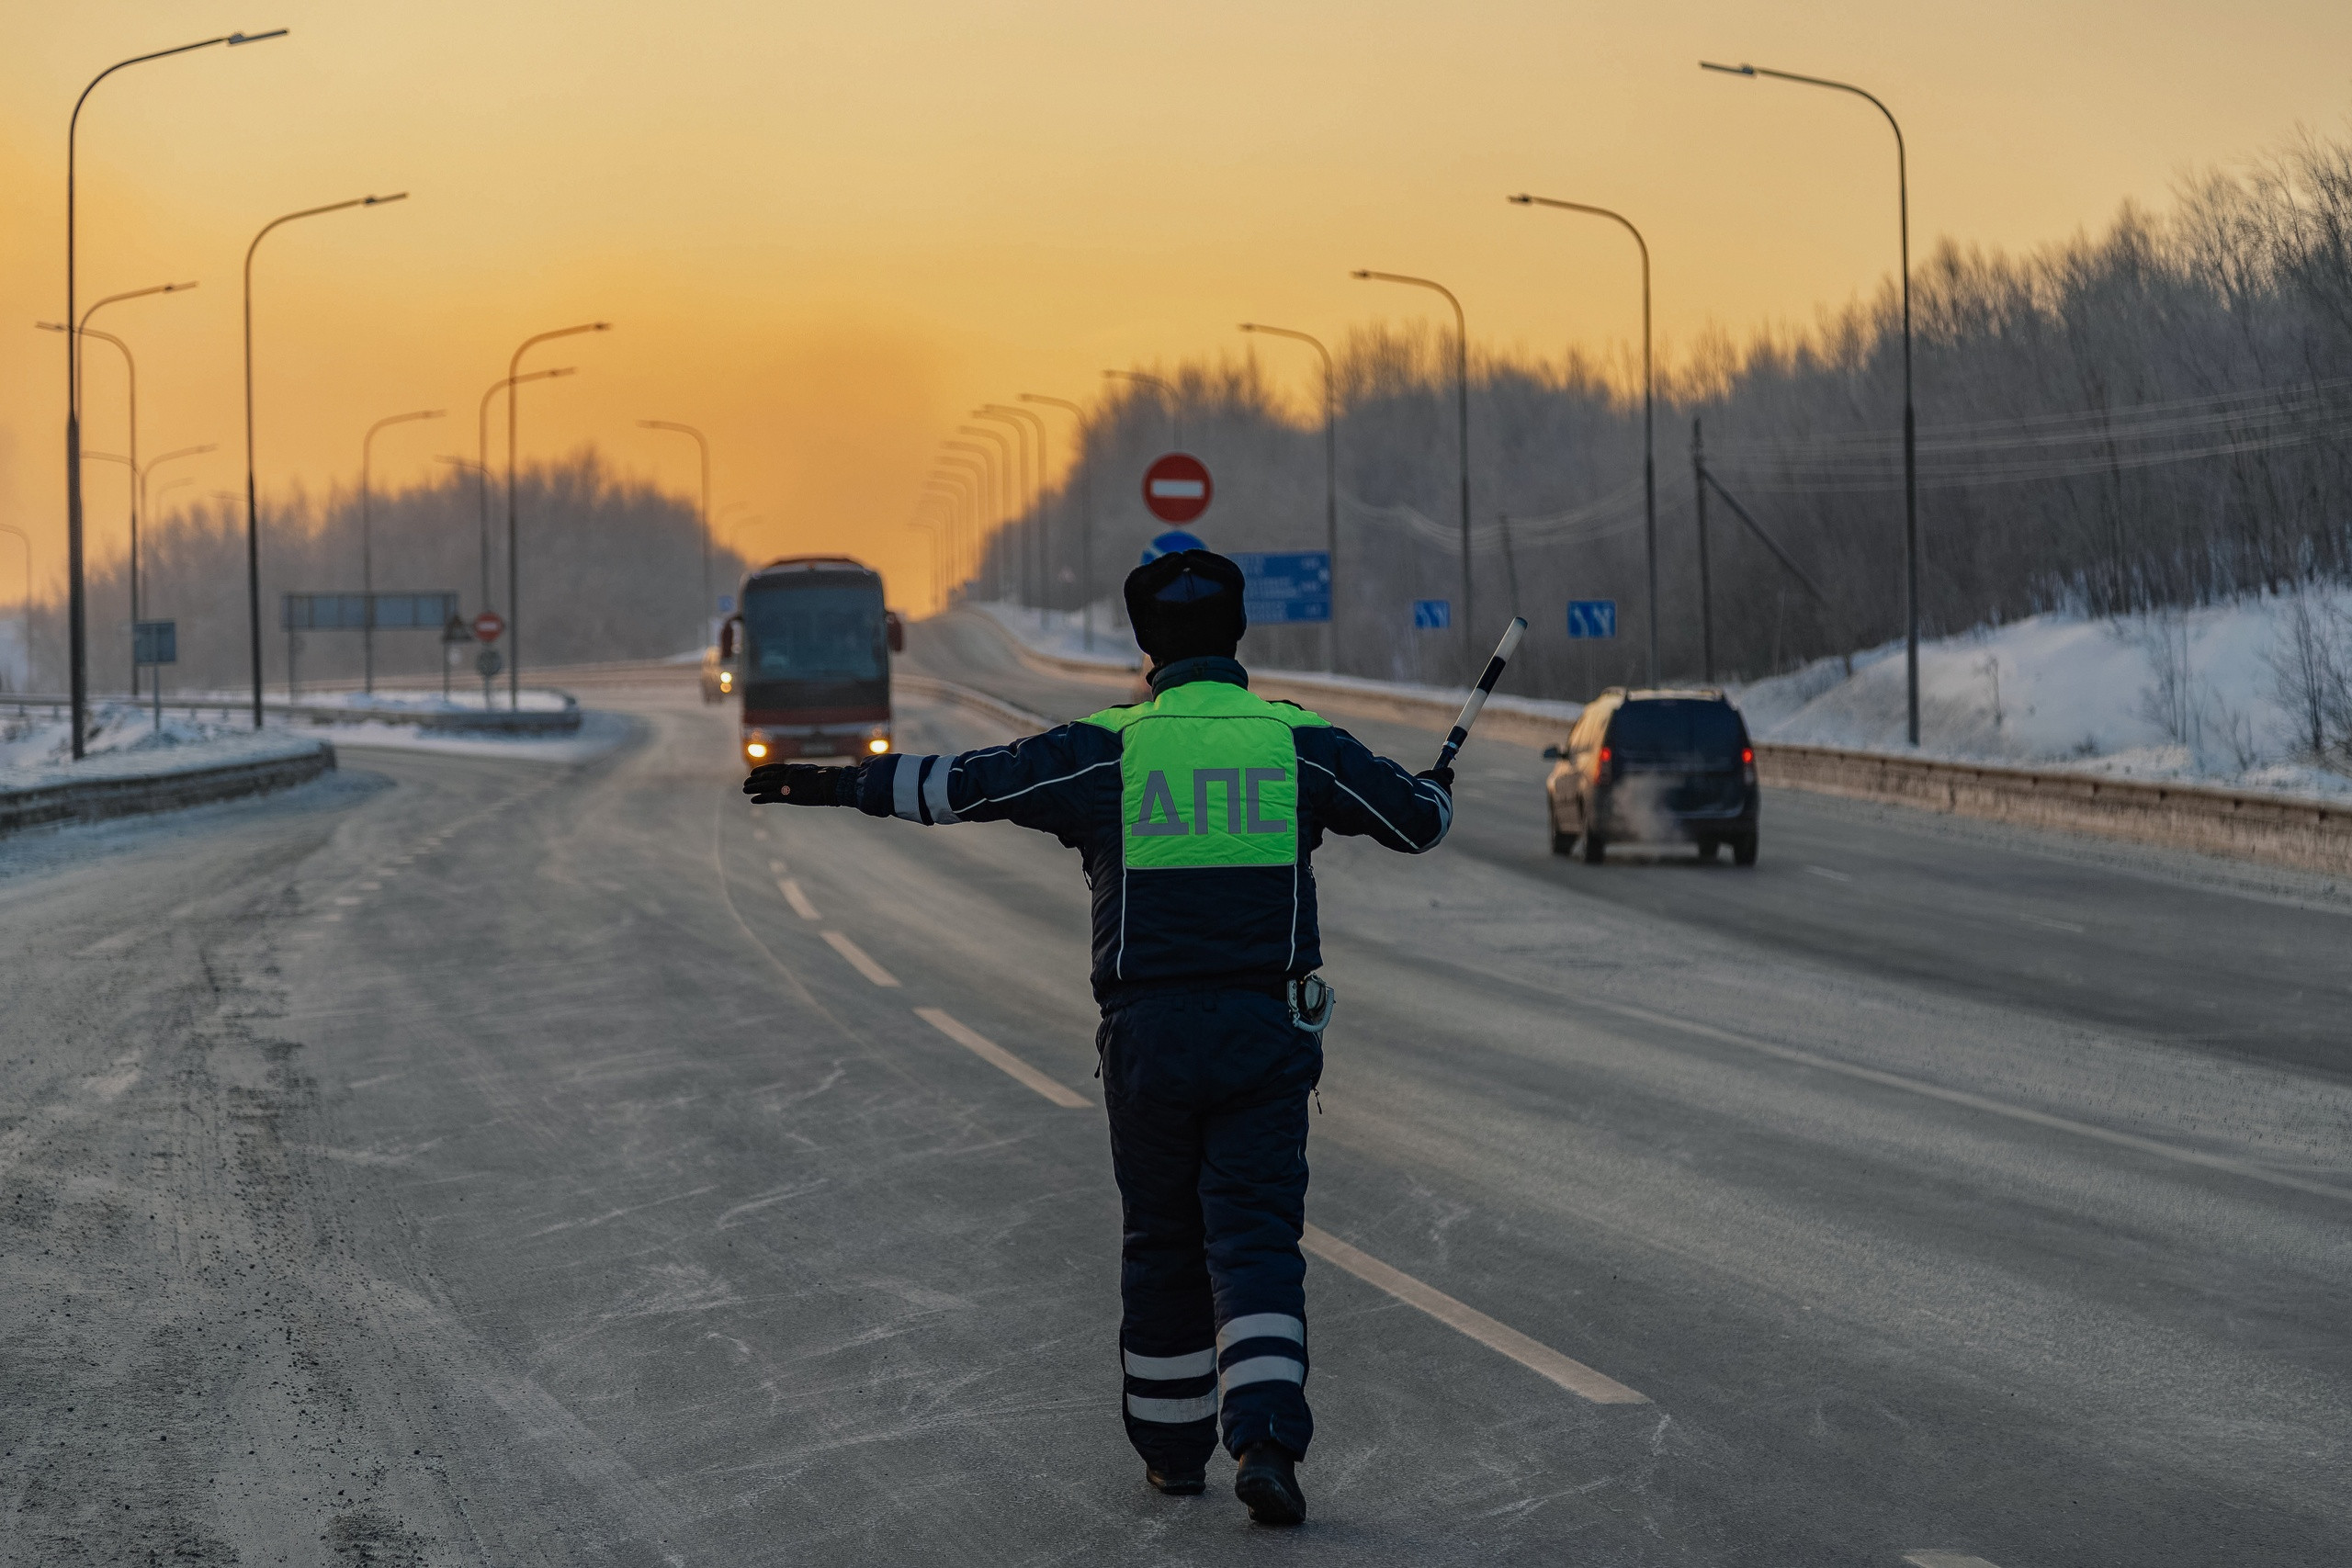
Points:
point(878, 745)
point(726, 680)
point(755, 749)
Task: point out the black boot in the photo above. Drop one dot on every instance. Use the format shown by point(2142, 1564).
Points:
point(1269, 1484)
point(1178, 1483)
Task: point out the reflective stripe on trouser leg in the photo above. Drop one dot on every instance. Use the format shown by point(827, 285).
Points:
point(1171, 1391)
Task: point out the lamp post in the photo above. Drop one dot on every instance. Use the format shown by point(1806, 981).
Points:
point(1086, 518)
point(931, 531)
point(973, 475)
point(25, 611)
point(998, 462)
point(367, 539)
point(1167, 393)
point(1462, 393)
point(956, 496)
point(480, 464)
point(702, 443)
point(1331, 476)
point(1650, 389)
point(1910, 423)
point(76, 606)
point(253, 494)
point(1029, 424)
point(514, 559)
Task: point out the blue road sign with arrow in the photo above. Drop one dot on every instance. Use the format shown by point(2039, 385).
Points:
point(1592, 619)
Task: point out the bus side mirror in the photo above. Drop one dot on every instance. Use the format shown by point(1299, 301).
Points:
point(1551, 753)
point(727, 638)
point(895, 629)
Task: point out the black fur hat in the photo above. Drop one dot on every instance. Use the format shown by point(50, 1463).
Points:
point(1186, 604)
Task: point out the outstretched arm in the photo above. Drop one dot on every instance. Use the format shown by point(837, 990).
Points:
point(1355, 791)
point(1044, 781)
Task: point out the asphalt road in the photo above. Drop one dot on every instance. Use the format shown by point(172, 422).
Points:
point(474, 1161)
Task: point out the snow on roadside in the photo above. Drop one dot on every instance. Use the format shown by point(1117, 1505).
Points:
point(1062, 632)
point(598, 733)
point(125, 743)
point(2188, 696)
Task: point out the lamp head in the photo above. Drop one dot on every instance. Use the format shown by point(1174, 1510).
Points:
point(1727, 69)
point(383, 200)
point(1360, 272)
point(1520, 200)
point(236, 39)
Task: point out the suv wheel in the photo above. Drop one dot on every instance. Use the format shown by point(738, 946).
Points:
point(1596, 848)
point(1710, 847)
point(1743, 850)
point(1562, 843)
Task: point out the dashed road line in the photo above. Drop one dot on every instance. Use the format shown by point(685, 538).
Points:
point(858, 959)
point(1832, 875)
point(1539, 1359)
point(997, 1056)
point(1944, 1560)
point(796, 898)
point(2046, 923)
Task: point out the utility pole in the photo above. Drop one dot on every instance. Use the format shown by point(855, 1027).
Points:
point(1470, 662)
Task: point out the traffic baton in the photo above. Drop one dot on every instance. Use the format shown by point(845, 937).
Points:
point(1503, 651)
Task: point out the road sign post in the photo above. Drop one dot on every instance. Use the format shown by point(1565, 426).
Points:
point(1591, 620)
point(154, 644)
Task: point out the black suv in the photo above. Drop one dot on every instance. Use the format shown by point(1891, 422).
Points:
point(1671, 766)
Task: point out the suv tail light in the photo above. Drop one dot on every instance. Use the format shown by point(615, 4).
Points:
point(1748, 756)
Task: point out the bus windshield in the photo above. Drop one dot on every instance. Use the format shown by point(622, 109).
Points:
point(815, 634)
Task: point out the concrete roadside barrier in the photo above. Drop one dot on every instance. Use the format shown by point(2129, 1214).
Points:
point(131, 791)
point(564, 720)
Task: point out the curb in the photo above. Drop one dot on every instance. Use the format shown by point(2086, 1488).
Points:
point(97, 800)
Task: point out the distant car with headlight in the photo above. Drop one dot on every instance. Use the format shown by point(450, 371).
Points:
point(718, 676)
point(1671, 766)
point(809, 652)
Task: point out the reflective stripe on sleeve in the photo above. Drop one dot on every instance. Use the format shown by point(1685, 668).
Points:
point(1171, 1412)
point(903, 783)
point(934, 792)
point(1261, 1368)
point(1162, 1369)
point(1260, 1326)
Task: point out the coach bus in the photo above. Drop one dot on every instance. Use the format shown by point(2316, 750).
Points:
point(811, 644)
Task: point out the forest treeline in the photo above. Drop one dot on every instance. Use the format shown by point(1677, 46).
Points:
point(611, 569)
point(2151, 416)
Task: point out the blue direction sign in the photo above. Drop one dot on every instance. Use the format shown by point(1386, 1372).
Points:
point(1593, 617)
point(155, 642)
point(1286, 588)
point(1432, 615)
point(1168, 543)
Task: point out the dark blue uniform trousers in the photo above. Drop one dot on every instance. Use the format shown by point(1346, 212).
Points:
point(1207, 1097)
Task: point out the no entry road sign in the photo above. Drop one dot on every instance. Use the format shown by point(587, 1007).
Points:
point(488, 624)
point(1177, 488)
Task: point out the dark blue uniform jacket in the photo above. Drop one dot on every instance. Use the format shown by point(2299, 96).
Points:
point(1247, 924)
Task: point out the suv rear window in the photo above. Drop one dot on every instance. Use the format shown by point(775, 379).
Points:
point(1674, 727)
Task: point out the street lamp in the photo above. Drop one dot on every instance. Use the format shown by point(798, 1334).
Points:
point(1029, 424)
point(702, 443)
point(931, 531)
point(974, 474)
point(1910, 424)
point(1331, 476)
point(513, 559)
point(1086, 521)
point(1167, 393)
point(253, 494)
point(952, 496)
point(1000, 477)
point(480, 464)
point(147, 472)
point(1461, 392)
point(367, 545)
point(1649, 388)
point(76, 606)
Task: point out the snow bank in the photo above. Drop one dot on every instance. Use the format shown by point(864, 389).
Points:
point(2197, 696)
point(1062, 632)
point(38, 752)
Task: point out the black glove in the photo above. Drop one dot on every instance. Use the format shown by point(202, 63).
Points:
point(801, 783)
point(1441, 777)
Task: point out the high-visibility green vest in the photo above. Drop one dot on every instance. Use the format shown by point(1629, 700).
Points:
point(1208, 776)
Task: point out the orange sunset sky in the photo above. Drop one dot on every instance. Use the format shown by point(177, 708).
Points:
point(824, 233)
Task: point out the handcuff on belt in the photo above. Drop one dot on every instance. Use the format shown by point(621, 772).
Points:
point(1311, 1000)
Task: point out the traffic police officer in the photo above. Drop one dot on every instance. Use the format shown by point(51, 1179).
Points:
point(1196, 814)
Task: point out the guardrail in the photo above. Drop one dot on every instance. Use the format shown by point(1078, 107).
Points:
point(498, 721)
point(96, 800)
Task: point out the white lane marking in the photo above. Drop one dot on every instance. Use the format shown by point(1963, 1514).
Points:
point(2046, 923)
point(1944, 1560)
point(1832, 875)
point(997, 1056)
point(113, 944)
point(859, 960)
point(760, 834)
point(347, 900)
point(779, 868)
point(1984, 1102)
point(1540, 1360)
point(371, 888)
point(796, 898)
